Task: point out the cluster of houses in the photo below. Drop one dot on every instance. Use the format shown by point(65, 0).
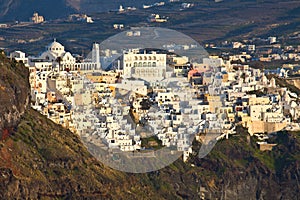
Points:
point(121, 9)
point(81, 17)
point(271, 52)
point(259, 49)
point(157, 94)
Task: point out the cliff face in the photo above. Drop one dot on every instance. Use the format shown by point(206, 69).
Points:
point(43, 160)
point(14, 93)
point(241, 170)
point(40, 159)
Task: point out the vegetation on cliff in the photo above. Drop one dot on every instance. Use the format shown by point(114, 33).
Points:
point(14, 93)
point(42, 159)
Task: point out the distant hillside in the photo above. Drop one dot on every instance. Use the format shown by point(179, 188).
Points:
point(22, 10)
point(92, 6)
point(52, 9)
point(206, 22)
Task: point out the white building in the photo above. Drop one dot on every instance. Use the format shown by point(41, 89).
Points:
point(55, 52)
point(19, 56)
point(272, 40)
point(135, 86)
point(251, 47)
point(61, 60)
point(89, 20)
point(118, 26)
point(213, 61)
point(148, 66)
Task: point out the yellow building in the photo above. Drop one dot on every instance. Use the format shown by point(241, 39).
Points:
point(94, 77)
point(36, 18)
point(265, 127)
point(225, 78)
point(214, 103)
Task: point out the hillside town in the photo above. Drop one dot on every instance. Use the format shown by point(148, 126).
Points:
point(164, 95)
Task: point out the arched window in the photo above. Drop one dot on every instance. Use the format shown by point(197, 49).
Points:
point(144, 64)
point(154, 64)
point(135, 64)
point(140, 64)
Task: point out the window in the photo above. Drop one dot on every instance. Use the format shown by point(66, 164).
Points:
point(154, 64)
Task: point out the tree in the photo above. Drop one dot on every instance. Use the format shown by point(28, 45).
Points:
point(58, 60)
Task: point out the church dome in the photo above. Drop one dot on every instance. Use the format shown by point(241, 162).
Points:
point(56, 47)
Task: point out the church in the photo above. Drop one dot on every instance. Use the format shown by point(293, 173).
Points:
point(55, 52)
point(56, 58)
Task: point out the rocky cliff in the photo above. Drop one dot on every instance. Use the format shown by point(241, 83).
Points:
point(40, 159)
point(14, 93)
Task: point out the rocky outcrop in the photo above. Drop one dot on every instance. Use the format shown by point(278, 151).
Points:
point(14, 93)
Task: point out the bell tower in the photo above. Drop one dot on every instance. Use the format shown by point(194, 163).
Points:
point(96, 55)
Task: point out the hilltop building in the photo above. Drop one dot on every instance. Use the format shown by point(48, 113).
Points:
point(36, 18)
point(19, 56)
